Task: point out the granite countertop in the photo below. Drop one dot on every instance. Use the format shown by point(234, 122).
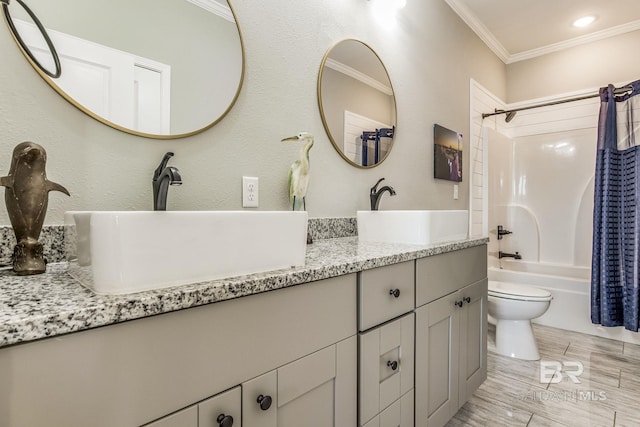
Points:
point(54, 303)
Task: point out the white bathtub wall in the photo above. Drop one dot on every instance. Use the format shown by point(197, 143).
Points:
point(551, 172)
point(549, 204)
point(584, 227)
point(525, 240)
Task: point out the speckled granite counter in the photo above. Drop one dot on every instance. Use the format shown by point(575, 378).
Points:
point(54, 303)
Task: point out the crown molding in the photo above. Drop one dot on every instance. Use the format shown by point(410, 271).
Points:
point(353, 73)
point(576, 41)
point(215, 8)
point(501, 52)
point(479, 28)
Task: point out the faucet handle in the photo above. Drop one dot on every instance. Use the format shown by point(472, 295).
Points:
point(375, 187)
point(163, 164)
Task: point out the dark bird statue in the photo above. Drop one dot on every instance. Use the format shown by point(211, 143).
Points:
point(26, 196)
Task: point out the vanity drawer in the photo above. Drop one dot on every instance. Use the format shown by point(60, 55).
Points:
point(440, 275)
point(385, 293)
point(386, 366)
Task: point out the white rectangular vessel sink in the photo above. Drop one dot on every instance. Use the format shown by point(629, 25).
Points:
point(421, 227)
point(117, 252)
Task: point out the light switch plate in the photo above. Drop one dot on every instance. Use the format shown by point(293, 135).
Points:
point(455, 191)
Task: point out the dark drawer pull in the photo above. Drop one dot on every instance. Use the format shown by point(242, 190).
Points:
point(393, 365)
point(265, 402)
point(224, 420)
point(395, 292)
point(459, 303)
point(467, 299)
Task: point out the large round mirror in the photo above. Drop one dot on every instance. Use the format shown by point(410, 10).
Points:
point(165, 69)
point(357, 103)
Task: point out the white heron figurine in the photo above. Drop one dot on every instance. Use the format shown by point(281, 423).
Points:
point(299, 172)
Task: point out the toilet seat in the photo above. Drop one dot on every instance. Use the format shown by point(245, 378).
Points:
point(517, 292)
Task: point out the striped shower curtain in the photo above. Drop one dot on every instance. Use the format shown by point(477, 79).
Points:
point(615, 268)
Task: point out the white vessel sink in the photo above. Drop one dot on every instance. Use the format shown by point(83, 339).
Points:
point(115, 252)
point(421, 227)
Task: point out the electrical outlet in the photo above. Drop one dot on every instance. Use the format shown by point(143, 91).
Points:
point(455, 191)
point(250, 192)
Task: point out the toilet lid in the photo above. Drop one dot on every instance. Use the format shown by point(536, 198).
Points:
point(516, 291)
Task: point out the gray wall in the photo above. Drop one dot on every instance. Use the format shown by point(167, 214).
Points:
point(430, 56)
point(613, 60)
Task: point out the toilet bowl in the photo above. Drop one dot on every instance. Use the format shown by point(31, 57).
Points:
point(513, 306)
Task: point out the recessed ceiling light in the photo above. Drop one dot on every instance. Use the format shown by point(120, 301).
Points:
point(584, 21)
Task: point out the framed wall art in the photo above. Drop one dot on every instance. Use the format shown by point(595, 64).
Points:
point(447, 154)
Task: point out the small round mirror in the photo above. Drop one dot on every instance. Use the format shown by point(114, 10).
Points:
point(162, 70)
point(357, 103)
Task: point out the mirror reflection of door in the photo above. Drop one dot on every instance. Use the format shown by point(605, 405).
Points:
point(181, 66)
point(357, 103)
point(129, 91)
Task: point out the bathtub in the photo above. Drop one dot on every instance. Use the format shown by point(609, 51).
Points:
point(570, 288)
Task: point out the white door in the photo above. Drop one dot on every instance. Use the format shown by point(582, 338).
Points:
point(125, 89)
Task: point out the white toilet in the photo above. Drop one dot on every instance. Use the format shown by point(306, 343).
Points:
point(513, 306)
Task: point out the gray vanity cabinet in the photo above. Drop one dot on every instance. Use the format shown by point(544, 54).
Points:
point(386, 370)
point(386, 345)
point(318, 390)
point(177, 364)
point(451, 332)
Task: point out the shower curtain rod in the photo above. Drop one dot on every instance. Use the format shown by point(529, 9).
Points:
point(617, 91)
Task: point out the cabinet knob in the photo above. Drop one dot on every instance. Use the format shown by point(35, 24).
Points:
point(459, 303)
point(224, 420)
point(265, 402)
point(392, 364)
point(467, 299)
point(395, 292)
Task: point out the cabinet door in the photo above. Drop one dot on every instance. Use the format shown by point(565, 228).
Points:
point(259, 406)
point(473, 339)
point(399, 414)
point(186, 418)
point(319, 390)
point(437, 349)
point(386, 365)
point(223, 409)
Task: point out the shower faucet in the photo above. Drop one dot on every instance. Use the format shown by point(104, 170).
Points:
point(502, 232)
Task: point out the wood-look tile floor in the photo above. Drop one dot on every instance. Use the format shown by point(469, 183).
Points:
point(607, 392)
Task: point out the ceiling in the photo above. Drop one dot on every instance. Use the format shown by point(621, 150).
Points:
point(521, 29)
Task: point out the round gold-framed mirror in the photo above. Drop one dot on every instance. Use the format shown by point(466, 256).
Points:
point(357, 103)
point(161, 70)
